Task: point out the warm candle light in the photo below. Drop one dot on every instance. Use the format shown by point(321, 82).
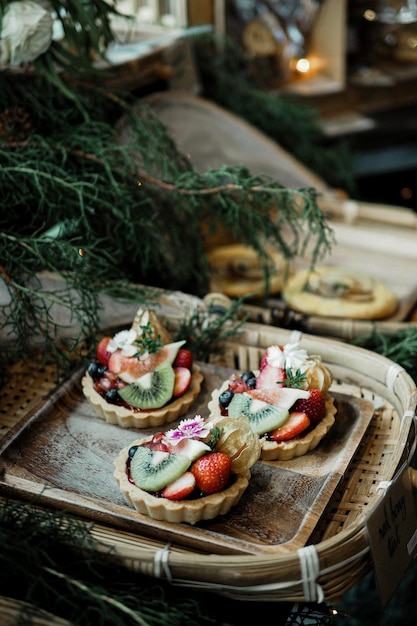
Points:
point(303, 66)
point(370, 15)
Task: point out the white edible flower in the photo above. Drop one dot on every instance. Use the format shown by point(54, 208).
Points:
point(124, 341)
point(26, 32)
point(290, 356)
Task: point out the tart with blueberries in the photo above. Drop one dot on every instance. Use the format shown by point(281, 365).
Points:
point(140, 377)
point(196, 471)
point(287, 401)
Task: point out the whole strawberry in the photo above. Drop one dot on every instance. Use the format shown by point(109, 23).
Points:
point(212, 472)
point(314, 406)
point(184, 358)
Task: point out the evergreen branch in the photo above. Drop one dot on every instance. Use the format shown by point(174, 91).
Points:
point(95, 595)
point(399, 346)
point(50, 560)
point(227, 79)
point(101, 232)
point(206, 332)
point(229, 187)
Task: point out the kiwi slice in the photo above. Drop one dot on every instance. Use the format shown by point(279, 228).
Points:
point(153, 470)
point(263, 417)
point(152, 390)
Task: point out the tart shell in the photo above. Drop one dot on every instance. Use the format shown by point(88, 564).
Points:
point(125, 418)
point(287, 450)
point(189, 511)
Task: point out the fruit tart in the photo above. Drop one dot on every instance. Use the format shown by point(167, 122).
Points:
point(287, 401)
point(141, 377)
point(196, 471)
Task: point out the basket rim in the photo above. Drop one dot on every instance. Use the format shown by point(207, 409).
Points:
point(341, 559)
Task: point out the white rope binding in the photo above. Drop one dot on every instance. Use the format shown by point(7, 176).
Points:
point(350, 210)
point(392, 374)
point(161, 565)
point(383, 485)
point(310, 571)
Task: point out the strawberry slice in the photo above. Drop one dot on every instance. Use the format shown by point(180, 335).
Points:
point(103, 354)
point(212, 472)
point(184, 358)
point(180, 488)
point(182, 381)
point(314, 406)
point(270, 377)
point(296, 424)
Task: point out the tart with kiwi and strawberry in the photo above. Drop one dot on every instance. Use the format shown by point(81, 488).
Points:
point(140, 377)
point(287, 401)
point(196, 471)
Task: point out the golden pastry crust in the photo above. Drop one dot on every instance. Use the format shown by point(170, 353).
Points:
point(335, 292)
point(236, 270)
point(125, 418)
point(287, 450)
point(189, 511)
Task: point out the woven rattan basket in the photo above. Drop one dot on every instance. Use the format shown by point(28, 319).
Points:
point(338, 552)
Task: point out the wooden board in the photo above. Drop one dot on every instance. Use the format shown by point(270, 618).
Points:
point(61, 455)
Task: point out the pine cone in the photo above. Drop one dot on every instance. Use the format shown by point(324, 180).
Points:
point(15, 125)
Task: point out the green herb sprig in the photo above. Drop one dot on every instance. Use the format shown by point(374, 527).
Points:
point(294, 379)
point(147, 342)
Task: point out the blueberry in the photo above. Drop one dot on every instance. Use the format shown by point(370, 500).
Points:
point(112, 396)
point(132, 451)
point(225, 398)
point(96, 370)
point(247, 375)
point(251, 382)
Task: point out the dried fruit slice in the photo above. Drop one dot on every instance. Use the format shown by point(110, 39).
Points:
point(131, 368)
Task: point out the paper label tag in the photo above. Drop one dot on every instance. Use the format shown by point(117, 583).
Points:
point(392, 531)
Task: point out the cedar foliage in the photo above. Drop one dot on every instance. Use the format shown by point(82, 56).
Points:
point(118, 217)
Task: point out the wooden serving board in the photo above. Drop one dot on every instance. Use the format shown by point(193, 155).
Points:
point(61, 455)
